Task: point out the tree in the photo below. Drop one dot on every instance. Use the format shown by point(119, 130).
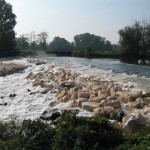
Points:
point(85, 40)
point(42, 40)
point(32, 40)
point(60, 44)
point(135, 42)
point(7, 33)
point(22, 42)
point(88, 52)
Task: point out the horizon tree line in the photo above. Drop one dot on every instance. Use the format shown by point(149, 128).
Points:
point(134, 39)
point(81, 42)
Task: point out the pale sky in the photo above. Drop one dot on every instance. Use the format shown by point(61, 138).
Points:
point(67, 18)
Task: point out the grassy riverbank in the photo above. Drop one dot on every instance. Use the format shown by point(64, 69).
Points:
point(69, 132)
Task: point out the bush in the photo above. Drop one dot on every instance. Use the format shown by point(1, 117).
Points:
point(30, 135)
point(85, 133)
point(136, 142)
point(69, 133)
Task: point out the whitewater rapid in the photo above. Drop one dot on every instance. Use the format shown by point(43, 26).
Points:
point(28, 103)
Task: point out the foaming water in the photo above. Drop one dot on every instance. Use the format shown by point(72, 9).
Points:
point(30, 106)
point(108, 69)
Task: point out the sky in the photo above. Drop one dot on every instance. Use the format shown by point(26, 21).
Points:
point(67, 18)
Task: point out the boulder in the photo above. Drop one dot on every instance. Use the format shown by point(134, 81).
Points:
point(62, 94)
point(103, 111)
point(74, 95)
point(70, 104)
point(114, 89)
point(147, 110)
point(111, 98)
point(69, 84)
point(53, 103)
point(89, 87)
point(64, 98)
point(147, 100)
point(112, 92)
point(116, 124)
point(134, 95)
point(123, 96)
point(83, 94)
point(136, 105)
point(134, 123)
point(72, 111)
point(29, 76)
point(80, 101)
point(36, 61)
point(52, 114)
point(89, 106)
point(62, 74)
point(111, 103)
point(95, 99)
point(97, 88)
point(109, 112)
point(3, 104)
point(12, 95)
point(103, 95)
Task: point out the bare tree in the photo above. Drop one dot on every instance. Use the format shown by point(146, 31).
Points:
point(42, 40)
point(32, 40)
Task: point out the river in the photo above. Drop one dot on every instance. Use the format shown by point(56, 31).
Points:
point(30, 106)
point(107, 69)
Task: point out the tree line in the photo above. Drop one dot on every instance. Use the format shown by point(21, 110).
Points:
point(134, 42)
point(81, 42)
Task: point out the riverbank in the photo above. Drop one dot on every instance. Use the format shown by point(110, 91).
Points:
point(47, 90)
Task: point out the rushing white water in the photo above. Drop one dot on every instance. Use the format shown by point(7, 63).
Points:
point(26, 105)
point(105, 69)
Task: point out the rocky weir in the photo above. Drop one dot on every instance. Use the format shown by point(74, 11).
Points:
point(64, 91)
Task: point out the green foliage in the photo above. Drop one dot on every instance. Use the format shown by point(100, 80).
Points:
point(60, 44)
point(136, 142)
point(7, 34)
point(31, 135)
point(85, 133)
point(134, 41)
point(22, 42)
point(88, 52)
point(69, 133)
point(82, 41)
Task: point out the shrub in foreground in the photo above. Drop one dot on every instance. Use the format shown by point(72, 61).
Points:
point(85, 133)
point(68, 133)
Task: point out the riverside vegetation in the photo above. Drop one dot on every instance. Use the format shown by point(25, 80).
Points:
point(69, 132)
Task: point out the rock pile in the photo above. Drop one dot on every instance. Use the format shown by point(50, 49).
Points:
point(103, 98)
point(9, 68)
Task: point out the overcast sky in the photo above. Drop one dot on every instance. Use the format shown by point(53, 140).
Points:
point(66, 18)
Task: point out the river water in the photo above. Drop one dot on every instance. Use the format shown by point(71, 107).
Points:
point(31, 106)
point(107, 69)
